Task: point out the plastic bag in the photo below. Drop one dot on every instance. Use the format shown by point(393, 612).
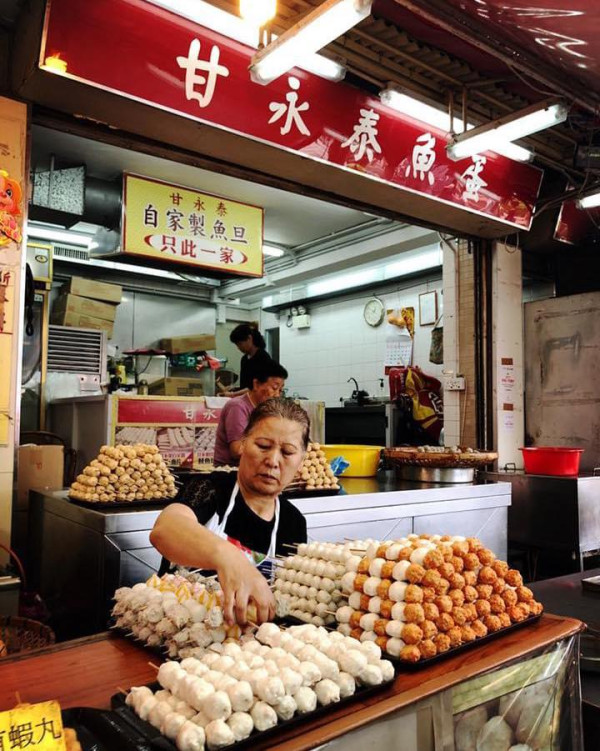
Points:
point(529, 706)
point(339, 465)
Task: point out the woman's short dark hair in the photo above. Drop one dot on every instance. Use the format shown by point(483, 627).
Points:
point(287, 409)
point(270, 369)
point(243, 331)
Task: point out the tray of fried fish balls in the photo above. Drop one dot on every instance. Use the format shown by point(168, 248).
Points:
point(423, 598)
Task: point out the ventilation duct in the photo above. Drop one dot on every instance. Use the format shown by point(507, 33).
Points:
point(67, 196)
point(70, 253)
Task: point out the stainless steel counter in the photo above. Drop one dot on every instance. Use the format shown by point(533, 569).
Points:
point(385, 507)
point(82, 555)
point(555, 520)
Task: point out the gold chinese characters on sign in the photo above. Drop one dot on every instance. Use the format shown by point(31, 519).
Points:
point(181, 225)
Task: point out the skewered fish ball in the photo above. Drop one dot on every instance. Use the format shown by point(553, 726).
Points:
point(306, 700)
point(191, 737)
point(218, 735)
point(241, 725)
point(263, 716)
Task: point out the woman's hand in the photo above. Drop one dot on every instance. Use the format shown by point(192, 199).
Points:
point(241, 583)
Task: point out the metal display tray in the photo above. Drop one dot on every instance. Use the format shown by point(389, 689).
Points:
point(317, 493)
point(154, 740)
point(403, 665)
point(103, 730)
point(106, 506)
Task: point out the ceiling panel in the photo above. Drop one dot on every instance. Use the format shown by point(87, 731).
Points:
point(290, 219)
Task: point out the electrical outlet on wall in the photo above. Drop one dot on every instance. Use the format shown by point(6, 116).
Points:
point(454, 383)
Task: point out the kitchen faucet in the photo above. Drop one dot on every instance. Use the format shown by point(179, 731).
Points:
point(358, 395)
point(355, 383)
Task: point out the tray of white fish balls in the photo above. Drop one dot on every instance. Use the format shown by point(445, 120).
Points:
point(425, 597)
point(174, 615)
point(124, 476)
point(265, 685)
point(310, 580)
point(315, 477)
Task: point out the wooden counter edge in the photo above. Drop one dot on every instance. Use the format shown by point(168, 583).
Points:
point(363, 714)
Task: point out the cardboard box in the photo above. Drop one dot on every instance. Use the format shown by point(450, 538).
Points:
point(85, 306)
point(39, 467)
point(176, 387)
point(177, 345)
point(80, 321)
point(95, 290)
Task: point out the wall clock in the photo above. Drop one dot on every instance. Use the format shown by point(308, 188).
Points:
point(374, 312)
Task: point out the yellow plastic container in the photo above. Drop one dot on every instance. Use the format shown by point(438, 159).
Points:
point(364, 460)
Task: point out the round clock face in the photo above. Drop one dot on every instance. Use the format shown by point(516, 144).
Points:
point(374, 312)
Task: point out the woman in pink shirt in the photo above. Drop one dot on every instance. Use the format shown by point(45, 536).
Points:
point(268, 383)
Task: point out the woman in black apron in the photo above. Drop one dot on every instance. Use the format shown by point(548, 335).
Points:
point(235, 524)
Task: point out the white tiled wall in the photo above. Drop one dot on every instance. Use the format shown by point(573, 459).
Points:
point(340, 345)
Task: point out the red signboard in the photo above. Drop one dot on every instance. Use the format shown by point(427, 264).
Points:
point(577, 226)
point(151, 411)
point(183, 429)
point(133, 48)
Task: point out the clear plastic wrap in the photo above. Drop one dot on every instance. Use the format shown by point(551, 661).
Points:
point(534, 704)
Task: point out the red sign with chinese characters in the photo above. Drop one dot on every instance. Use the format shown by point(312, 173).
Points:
point(183, 429)
point(170, 62)
point(154, 410)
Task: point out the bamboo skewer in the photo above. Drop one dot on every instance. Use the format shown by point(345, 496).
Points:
point(152, 665)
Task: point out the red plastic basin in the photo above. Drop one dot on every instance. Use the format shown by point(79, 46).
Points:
point(551, 460)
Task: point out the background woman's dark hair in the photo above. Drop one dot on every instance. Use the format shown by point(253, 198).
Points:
point(270, 369)
point(243, 331)
point(284, 408)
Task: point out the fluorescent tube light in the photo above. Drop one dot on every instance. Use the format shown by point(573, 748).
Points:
point(422, 261)
point(426, 113)
point(508, 128)
point(59, 236)
point(589, 202)
point(321, 26)
point(258, 12)
point(271, 250)
point(234, 27)
point(324, 67)
point(345, 281)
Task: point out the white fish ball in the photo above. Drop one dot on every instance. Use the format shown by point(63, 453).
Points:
point(263, 716)
point(218, 735)
point(306, 700)
point(241, 725)
point(217, 706)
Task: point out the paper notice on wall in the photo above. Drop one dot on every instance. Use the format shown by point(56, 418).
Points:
point(506, 380)
point(508, 416)
point(508, 421)
point(398, 347)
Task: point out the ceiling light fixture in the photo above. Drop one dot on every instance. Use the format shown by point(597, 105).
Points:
point(258, 12)
point(427, 113)
point(591, 201)
point(59, 236)
point(271, 250)
point(234, 27)
point(509, 128)
point(317, 29)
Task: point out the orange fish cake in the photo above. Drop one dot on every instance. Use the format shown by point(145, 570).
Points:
point(427, 648)
point(410, 653)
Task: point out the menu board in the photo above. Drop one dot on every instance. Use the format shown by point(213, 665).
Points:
point(183, 429)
